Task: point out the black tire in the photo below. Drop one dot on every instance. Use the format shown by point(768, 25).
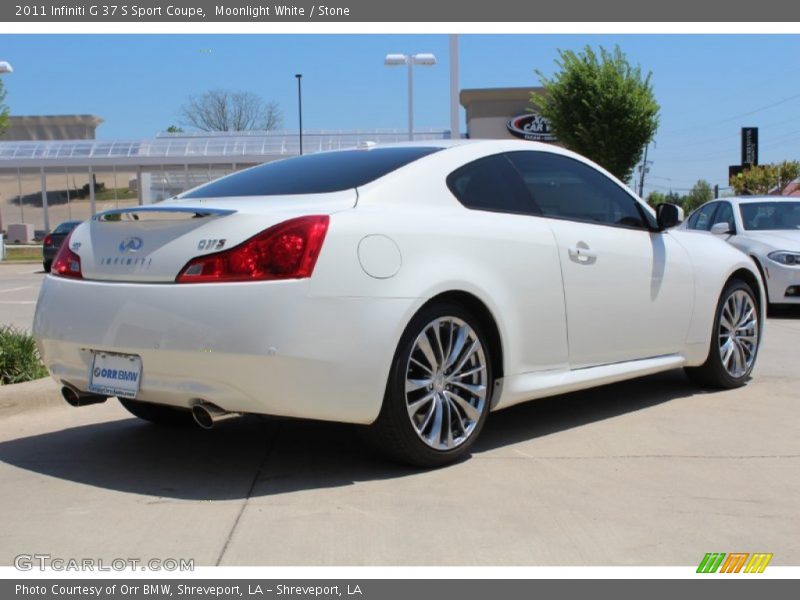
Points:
point(46, 265)
point(159, 414)
point(393, 433)
point(713, 372)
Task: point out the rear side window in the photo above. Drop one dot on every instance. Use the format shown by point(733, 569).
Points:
point(312, 173)
point(491, 184)
point(565, 188)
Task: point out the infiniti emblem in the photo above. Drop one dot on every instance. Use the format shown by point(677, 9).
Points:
point(131, 244)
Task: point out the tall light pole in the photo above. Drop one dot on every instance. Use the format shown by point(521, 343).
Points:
point(300, 107)
point(455, 129)
point(423, 60)
point(5, 67)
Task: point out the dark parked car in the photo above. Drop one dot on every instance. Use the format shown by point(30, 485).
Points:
point(52, 242)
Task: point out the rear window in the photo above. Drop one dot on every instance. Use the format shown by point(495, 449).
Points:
point(312, 173)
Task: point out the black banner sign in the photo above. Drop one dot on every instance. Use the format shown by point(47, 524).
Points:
point(749, 146)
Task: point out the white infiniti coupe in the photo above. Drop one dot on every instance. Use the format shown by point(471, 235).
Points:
point(411, 289)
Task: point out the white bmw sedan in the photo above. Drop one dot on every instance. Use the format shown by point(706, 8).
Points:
point(766, 228)
point(411, 289)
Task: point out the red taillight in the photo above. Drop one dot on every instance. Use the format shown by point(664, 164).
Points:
point(288, 250)
point(48, 240)
point(67, 263)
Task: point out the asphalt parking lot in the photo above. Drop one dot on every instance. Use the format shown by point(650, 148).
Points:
point(648, 472)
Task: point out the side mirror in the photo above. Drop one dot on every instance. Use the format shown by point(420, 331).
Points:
point(721, 229)
point(668, 215)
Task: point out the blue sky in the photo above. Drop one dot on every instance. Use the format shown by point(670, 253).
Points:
point(709, 86)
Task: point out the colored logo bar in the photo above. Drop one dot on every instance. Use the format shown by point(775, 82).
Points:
point(735, 562)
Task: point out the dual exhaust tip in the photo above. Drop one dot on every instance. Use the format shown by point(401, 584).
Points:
point(205, 414)
point(75, 397)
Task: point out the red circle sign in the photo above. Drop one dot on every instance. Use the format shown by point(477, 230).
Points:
point(531, 127)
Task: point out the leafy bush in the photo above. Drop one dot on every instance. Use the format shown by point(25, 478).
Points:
point(601, 106)
point(765, 179)
point(19, 357)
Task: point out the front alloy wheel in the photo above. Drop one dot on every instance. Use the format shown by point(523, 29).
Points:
point(735, 340)
point(737, 334)
point(439, 389)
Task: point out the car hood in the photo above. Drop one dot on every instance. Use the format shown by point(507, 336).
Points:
point(779, 239)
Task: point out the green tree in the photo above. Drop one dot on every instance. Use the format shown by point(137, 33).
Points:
point(700, 193)
point(601, 107)
point(3, 108)
point(174, 129)
point(765, 179)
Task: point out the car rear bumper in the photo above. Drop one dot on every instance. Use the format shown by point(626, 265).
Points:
point(266, 347)
point(49, 253)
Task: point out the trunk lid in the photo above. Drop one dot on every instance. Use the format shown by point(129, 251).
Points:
point(152, 243)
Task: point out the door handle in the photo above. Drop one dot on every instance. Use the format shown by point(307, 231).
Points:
point(581, 253)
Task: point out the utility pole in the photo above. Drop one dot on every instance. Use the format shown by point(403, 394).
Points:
point(643, 169)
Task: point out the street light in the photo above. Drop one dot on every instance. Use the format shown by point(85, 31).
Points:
point(300, 107)
point(423, 60)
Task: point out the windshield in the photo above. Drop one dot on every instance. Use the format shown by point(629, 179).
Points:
point(312, 173)
point(761, 216)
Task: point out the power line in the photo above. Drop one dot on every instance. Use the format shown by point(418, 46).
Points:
point(732, 136)
point(734, 117)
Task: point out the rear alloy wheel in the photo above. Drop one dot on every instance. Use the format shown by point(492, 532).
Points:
point(159, 414)
point(439, 389)
point(735, 339)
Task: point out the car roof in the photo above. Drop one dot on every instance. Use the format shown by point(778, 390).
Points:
point(465, 142)
point(764, 198)
point(492, 146)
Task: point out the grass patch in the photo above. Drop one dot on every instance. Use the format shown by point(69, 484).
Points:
point(19, 357)
point(26, 253)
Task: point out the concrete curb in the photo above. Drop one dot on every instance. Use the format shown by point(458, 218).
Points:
point(28, 396)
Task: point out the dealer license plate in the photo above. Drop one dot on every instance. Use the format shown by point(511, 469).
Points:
point(115, 374)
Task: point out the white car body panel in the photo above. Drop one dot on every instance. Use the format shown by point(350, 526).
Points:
point(322, 347)
point(627, 279)
point(281, 353)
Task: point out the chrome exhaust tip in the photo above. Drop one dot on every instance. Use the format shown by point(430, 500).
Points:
point(75, 397)
point(206, 415)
